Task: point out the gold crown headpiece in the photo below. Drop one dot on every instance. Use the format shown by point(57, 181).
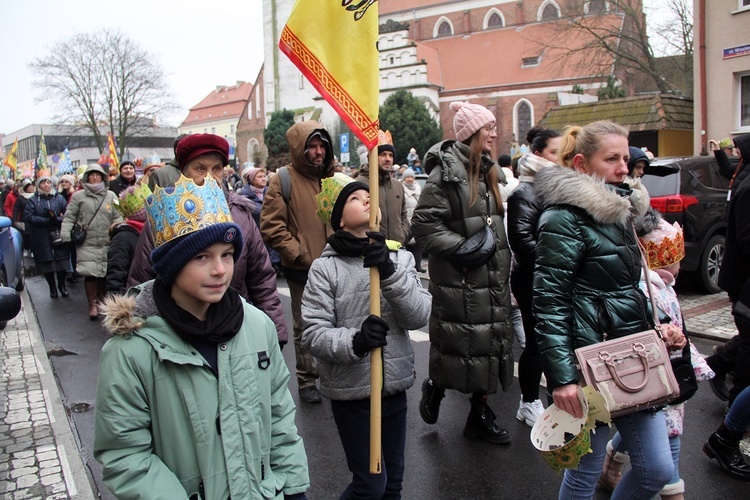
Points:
point(184, 208)
point(384, 138)
point(664, 246)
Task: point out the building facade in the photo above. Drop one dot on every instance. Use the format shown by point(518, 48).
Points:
point(722, 71)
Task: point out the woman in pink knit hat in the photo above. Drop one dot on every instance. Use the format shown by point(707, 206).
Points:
point(459, 221)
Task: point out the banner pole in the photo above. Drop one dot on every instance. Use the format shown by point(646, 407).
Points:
point(376, 355)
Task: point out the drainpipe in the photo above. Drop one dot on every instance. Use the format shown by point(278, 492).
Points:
point(702, 71)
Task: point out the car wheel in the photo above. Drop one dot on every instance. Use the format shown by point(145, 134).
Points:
point(708, 269)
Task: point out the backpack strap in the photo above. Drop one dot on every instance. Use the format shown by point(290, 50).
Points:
point(286, 183)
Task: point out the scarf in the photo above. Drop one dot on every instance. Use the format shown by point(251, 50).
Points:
point(346, 244)
point(529, 164)
point(223, 320)
point(27, 195)
point(135, 224)
point(95, 188)
point(259, 192)
point(410, 187)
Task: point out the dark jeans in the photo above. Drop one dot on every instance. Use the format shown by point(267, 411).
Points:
point(353, 423)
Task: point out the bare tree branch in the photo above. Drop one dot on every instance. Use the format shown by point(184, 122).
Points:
point(103, 81)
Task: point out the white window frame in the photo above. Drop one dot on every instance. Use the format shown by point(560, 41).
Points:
point(485, 22)
point(515, 117)
point(439, 22)
point(738, 103)
point(545, 4)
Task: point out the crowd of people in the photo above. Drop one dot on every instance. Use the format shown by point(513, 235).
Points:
point(182, 265)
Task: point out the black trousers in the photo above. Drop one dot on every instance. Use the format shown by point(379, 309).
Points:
point(353, 423)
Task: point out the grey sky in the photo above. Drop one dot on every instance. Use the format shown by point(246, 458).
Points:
point(199, 44)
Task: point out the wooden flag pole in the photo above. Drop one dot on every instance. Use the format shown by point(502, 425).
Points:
point(376, 355)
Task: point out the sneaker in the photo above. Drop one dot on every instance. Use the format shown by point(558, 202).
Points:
point(529, 412)
point(429, 405)
point(310, 395)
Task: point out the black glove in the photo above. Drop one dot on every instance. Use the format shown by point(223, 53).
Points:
point(371, 335)
point(377, 254)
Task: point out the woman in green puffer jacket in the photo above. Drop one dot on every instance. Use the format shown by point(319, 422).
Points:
point(470, 333)
point(586, 288)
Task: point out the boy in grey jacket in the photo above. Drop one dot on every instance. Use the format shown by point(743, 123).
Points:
point(339, 331)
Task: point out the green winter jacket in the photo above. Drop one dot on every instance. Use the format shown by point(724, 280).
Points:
point(588, 265)
point(168, 427)
point(470, 332)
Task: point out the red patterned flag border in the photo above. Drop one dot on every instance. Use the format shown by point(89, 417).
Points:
point(330, 89)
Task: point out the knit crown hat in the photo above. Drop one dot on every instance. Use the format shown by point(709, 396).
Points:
point(332, 197)
point(469, 118)
point(186, 219)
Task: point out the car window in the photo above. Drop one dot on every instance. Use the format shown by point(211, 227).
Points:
point(662, 182)
point(705, 176)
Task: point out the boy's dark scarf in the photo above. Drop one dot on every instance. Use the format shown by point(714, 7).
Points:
point(346, 244)
point(223, 319)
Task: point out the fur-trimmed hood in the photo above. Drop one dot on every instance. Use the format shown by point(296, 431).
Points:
point(124, 314)
point(607, 204)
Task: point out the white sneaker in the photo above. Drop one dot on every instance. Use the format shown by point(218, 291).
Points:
point(529, 412)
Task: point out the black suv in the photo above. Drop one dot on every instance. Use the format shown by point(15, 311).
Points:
point(693, 192)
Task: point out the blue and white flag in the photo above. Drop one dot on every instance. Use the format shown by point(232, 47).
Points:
point(65, 166)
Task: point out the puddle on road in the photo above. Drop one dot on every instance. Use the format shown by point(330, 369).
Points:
point(80, 407)
point(59, 352)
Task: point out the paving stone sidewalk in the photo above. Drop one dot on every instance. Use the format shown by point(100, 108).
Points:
point(708, 316)
point(39, 456)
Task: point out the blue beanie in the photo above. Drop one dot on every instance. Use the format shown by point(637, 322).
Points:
point(169, 258)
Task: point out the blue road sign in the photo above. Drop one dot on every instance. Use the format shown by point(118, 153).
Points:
point(344, 143)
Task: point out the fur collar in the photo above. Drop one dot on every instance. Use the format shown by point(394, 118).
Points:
point(124, 314)
point(606, 204)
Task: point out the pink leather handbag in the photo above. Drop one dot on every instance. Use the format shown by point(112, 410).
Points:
point(632, 373)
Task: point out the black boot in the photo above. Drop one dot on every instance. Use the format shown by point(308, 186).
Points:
point(724, 446)
point(417, 252)
point(429, 406)
point(481, 422)
point(61, 284)
point(50, 277)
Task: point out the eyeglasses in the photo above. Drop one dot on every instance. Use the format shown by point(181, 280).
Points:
point(490, 128)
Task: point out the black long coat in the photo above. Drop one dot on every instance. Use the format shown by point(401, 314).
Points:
point(37, 213)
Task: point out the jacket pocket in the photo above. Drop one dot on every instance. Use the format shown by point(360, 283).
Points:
point(197, 423)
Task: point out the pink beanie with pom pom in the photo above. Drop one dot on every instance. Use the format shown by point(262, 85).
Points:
point(469, 118)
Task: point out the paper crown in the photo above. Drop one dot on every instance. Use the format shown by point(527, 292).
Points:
point(132, 199)
point(384, 138)
point(150, 160)
point(664, 246)
point(184, 208)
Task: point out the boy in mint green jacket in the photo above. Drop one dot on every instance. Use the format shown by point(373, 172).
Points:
point(192, 400)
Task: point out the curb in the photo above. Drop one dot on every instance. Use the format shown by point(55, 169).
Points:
point(73, 467)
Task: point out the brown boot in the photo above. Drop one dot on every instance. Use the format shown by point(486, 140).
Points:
point(91, 295)
point(611, 471)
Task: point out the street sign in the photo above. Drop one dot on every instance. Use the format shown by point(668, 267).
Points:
point(344, 143)
point(344, 157)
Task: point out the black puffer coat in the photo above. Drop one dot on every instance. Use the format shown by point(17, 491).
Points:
point(470, 334)
point(39, 223)
point(123, 240)
point(588, 266)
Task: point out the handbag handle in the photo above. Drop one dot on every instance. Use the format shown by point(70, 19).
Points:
point(641, 352)
point(649, 286)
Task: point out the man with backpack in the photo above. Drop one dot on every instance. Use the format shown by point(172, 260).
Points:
point(289, 224)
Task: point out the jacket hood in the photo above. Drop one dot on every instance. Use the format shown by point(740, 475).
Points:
point(453, 157)
point(124, 314)
point(297, 137)
point(96, 168)
point(742, 142)
point(636, 155)
point(606, 204)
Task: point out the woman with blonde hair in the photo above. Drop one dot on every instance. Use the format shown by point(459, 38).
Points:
point(459, 221)
point(588, 265)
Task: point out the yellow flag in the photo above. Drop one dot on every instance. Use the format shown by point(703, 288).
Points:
point(334, 44)
point(11, 161)
point(112, 158)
